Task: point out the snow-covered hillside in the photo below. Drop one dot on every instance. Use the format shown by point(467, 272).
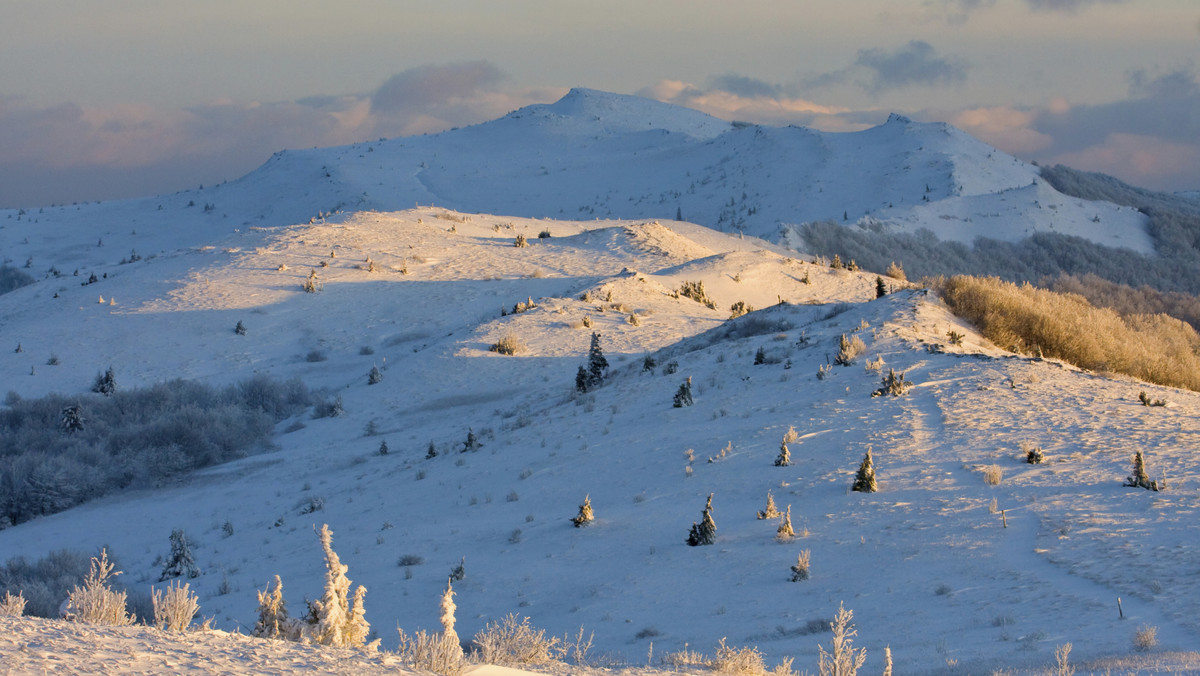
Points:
point(598, 155)
point(954, 573)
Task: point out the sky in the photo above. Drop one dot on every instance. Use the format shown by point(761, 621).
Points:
point(138, 97)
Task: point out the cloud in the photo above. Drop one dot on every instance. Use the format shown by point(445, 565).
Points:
point(1180, 83)
point(419, 88)
point(736, 97)
point(957, 12)
point(878, 70)
point(66, 152)
point(1067, 5)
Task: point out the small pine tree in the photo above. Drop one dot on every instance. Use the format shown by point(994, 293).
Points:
point(71, 419)
point(106, 383)
point(1139, 478)
point(785, 530)
point(460, 571)
point(240, 329)
point(375, 376)
point(581, 377)
point(864, 480)
point(880, 287)
point(597, 366)
point(181, 561)
point(383, 447)
point(520, 242)
point(771, 510)
point(679, 213)
point(472, 443)
point(843, 660)
point(704, 533)
point(683, 396)
point(431, 452)
point(585, 515)
point(785, 457)
point(447, 617)
point(760, 357)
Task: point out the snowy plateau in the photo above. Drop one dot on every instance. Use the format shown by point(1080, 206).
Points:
point(966, 560)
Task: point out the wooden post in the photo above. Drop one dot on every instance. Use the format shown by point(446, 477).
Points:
point(1004, 518)
point(1120, 610)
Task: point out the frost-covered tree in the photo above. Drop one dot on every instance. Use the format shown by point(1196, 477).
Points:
point(106, 383)
point(1139, 478)
point(375, 376)
point(273, 620)
point(240, 329)
point(705, 532)
point(771, 511)
point(843, 659)
point(340, 620)
point(800, 570)
point(585, 515)
point(785, 531)
point(683, 396)
point(431, 452)
point(864, 479)
point(439, 653)
point(12, 606)
point(71, 418)
point(181, 561)
point(785, 457)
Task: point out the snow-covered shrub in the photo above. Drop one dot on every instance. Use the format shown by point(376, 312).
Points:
point(695, 291)
point(12, 606)
point(273, 620)
point(340, 619)
point(993, 475)
point(591, 377)
point(739, 309)
point(375, 376)
point(895, 271)
point(508, 344)
point(175, 607)
point(842, 659)
point(849, 349)
point(800, 569)
point(1144, 639)
point(513, 642)
point(312, 283)
point(738, 661)
point(181, 561)
point(705, 532)
point(240, 329)
point(785, 456)
point(95, 602)
point(520, 241)
point(894, 384)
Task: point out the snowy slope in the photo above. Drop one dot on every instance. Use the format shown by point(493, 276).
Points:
point(925, 564)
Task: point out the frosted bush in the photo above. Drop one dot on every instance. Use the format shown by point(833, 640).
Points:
point(512, 642)
point(94, 602)
point(12, 606)
point(174, 607)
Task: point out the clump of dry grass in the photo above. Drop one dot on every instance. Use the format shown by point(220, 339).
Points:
point(508, 344)
point(993, 475)
point(1025, 319)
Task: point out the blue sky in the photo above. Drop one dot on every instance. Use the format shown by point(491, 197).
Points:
point(134, 97)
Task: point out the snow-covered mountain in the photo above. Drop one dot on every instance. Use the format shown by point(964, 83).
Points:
point(956, 573)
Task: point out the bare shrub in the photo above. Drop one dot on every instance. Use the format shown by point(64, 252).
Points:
point(993, 475)
point(513, 642)
point(508, 344)
point(1025, 319)
point(174, 607)
point(94, 602)
point(1145, 638)
point(896, 271)
point(1062, 666)
point(12, 606)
